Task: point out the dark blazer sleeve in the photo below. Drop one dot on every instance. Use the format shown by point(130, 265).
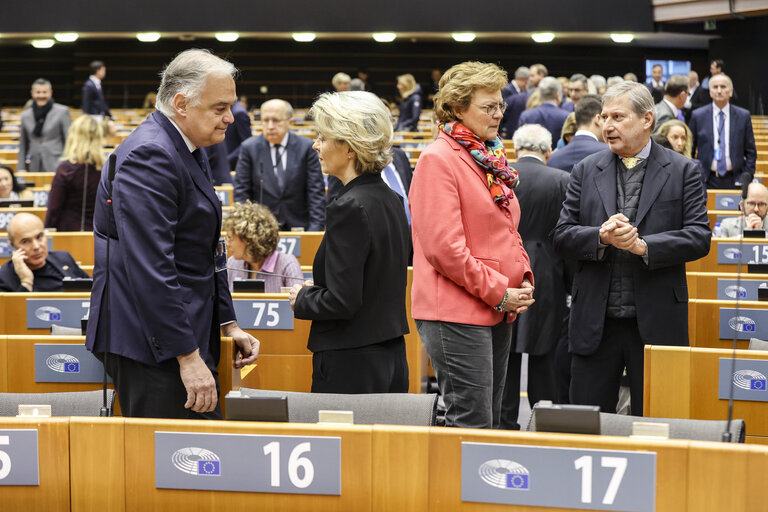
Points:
point(243, 183)
point(88, 97)
point(403, 166)
point(347, 242)
point(58, 196)
point(315, 190)
point(242, 128)
point(570, 239)
point(750, 151)
point(62, 259)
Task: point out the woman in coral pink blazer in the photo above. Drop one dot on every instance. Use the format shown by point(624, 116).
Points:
point(471, 275)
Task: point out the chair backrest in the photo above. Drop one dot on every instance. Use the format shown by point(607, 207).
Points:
point(72, 403)
point(379, 408)
point(61, 330)
point(756, 344)
point(698, 430)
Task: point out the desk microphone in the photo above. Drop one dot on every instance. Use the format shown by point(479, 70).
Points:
point(110, 176)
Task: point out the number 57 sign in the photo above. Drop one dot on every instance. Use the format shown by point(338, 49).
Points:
point(558, 477)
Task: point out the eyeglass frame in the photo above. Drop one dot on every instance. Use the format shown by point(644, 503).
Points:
point(501, 107)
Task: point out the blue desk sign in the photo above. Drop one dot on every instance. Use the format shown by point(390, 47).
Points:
point(42, 313)
point(750, 379)
point(19, 463)
point(275, 464)
point(727, 201)
point(746, 289)
point(6, 251)
point(290, 245)
point(307, 276)
point(66, 362)
point(748, 323)
point(545, 476)
point(41, 197)
point(263, 314)
point(5, 219)
point(750, 252)
point(223, 196)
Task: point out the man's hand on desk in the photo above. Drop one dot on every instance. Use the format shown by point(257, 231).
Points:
point(246, 346)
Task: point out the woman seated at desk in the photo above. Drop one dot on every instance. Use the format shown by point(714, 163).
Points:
point(252, 236)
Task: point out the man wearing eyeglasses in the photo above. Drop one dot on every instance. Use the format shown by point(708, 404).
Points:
point(548, 114)
point(755, 207)
point(577, 87)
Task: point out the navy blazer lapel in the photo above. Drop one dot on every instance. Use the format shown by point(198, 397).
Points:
point(605, 182)
point(202, 182)
point(265, 159)
point(656, 175)
point(709, 128)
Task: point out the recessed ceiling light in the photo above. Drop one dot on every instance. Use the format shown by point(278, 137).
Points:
point(463, 37)
point(384, 37)
point(543, 37)
point(622, 38)
point(43, 43)
point(66, 37)
point(304, 37)
point(148, 37)
point(227, 37)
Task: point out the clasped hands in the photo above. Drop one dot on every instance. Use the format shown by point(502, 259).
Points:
point(519, 299)
point(618, 232)
point(295, 289)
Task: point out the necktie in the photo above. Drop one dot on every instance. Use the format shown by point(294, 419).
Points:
point(680, 116)
point(394, 184)
point(630, 161)
point(279, 174)
point(200, 159)
point(722, 166)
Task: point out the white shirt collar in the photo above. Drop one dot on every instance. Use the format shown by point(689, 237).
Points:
point(95, 80)
point(726, 109)
point(283, 142)
point(188, 142)
point(587, 133)
point(531, 155)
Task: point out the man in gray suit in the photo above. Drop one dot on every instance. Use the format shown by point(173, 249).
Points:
point(754, 209)
point(44, 128)
point(671, 106)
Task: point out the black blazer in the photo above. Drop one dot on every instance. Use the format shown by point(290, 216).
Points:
point(360, 270)
point(93, 100)
point(302, 202)
point(402, 166)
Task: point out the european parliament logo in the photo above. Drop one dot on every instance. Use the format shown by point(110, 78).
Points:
point(727, 202)
point(750, 380)
point(48, 314)
point(742, 324)
point(196, 461)
point(505, 474)
point(63, 363)
point(732, 253)
point(736, 292)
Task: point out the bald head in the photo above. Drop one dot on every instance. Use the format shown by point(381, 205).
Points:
point(277, 119)
point(26, 233)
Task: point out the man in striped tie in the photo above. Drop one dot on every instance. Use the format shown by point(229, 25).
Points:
point(632, 216)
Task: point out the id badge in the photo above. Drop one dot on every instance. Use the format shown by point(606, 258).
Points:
point(220, 255)
point(718, 154)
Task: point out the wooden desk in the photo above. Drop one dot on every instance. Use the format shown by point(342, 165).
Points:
point(6, 214)
point(709, 262)
point(704, 322)
point(681, 382)
point(703, 285)
point(52, 495)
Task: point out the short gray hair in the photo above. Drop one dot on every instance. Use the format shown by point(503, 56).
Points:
point(640, 99)
point(549, 88)
point(356, 84)
point(187, 74)
point(522, 72)
point(598, 81)
point(613, 80)
point(532, 137)
point(360, 119)
point(42, 81)
point(716, 75)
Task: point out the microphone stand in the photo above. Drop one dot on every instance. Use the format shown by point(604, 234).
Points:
point(261, 182)
point(85, 193)
point(105, 410)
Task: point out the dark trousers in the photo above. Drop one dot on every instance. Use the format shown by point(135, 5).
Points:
point(145, 391)
point(595, 379)
point(378, 368)
point(542, 385)
point(724, 182)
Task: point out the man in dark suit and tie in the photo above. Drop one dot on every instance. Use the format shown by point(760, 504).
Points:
point(168, 300)
point(541, 192)
point(518, 84)
point(280, 170)
point(655, 84)
point(548, 114)
point(588, 138)
point(516, 102)
point(93, 94)
point(671, 107)
point(632, 217)
point(723, 136)
point(698, 96)
point(577, 87)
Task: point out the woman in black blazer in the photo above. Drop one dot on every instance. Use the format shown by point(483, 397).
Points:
point(357, 300)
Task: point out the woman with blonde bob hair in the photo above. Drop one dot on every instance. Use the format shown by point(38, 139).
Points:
point(410, 106)
point(252, 236)
point(357, 300)
point(73, 190)
point(679, 136)
point(471, 275)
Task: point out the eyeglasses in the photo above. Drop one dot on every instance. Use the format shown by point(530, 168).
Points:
point(491, 109)
point(752, 204)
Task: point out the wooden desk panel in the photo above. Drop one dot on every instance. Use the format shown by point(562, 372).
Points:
point(400, 478)
point(703, 285)
point(709, 262)
point(52, 495)
point(97, 464)
point(704, 315)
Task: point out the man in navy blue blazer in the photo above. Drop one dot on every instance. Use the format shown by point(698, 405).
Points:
point(280, 170)
point(93, 94)
point(548, 114)
point(237, 132)
point(723, 136)
point(588, 138)
point(516, 102)
point(577, 87)
point(167, 301)
point(518, 84)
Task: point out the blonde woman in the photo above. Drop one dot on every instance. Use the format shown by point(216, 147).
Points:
point(357, 300)
point(73, 190)
point(252, 236)
point(410, 106)
point(679, 136)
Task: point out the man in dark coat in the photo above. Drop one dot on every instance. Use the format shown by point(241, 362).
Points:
point(541, 192)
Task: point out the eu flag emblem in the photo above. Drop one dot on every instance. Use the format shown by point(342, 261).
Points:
point(71, 367)
point(517, 481)
point(757, 384)
point(209, 467)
